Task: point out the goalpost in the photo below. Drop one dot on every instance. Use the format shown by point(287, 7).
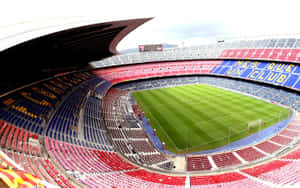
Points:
point(254, 124)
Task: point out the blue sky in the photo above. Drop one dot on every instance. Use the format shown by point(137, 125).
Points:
point(188, 22)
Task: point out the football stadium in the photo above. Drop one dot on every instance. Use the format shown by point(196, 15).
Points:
point(75, 112)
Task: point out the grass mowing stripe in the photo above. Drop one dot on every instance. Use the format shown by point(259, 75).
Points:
point(145, 102)
point(179, 135)
point(175, 121)
point(190, 112)
point(217, 107)
point(254, 102)
point(180, 118)
point(206, 112)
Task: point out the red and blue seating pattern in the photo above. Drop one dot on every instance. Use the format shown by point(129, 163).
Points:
point(52, 108)
point(31, 107)
point(134, 72)
point(283, 74)
point(16, 144)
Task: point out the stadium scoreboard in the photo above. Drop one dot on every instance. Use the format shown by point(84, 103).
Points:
point(150, 47)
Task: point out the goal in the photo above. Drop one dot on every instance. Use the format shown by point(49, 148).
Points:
point(254, 124)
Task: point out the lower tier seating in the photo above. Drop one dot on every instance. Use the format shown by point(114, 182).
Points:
point(216, 179)
point(198, 163)
point(152, 158)
point(277, 171)
point(250, 154)
point(293, 155)
point(123, 180)
point(268, 147)
point(289, 133)
point(281, 140)
point(244, 183)
point(40, 167)
point(85, 160)
point(225, 159)
point(17, 139)
point(157, 178)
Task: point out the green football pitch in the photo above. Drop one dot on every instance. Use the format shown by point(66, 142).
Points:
point(200, 117)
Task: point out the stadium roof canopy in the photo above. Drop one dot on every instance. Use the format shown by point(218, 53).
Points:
point(39, 49)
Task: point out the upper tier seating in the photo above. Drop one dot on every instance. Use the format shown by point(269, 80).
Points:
point(275, 73)
point(284, 49)
point(64, 125)
point(30, 108)
point(65, 119)
point(291, 55)
point(131, 72)
point(94, 127)
point(283, 74)
point(67, 111)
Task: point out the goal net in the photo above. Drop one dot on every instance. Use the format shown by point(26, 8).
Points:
point(254, 124)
